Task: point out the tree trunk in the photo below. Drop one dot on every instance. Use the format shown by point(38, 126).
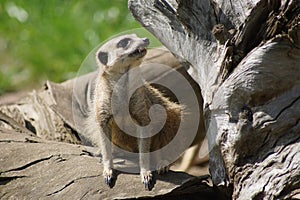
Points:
point(245, 57)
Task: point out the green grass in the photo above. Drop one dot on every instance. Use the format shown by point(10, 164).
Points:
point(41, 39)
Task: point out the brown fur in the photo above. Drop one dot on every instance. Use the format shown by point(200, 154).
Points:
point(140, 103)
point(101, 126)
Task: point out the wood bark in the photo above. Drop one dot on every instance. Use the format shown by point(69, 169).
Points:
point(34, 168)
point(248, 70)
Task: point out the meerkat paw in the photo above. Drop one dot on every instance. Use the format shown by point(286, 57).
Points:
point(162, 167)
point(147, 179)
point(108, 177)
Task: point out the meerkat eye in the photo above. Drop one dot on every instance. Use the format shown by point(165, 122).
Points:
point(103, 57)
point(124, 43)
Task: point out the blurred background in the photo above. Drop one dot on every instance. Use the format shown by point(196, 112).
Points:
point(42, 40)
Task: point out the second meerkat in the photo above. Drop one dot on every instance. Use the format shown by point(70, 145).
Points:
point(115, 58)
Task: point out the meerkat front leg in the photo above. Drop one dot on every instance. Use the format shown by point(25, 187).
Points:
point(106, 151)
point(144, 158)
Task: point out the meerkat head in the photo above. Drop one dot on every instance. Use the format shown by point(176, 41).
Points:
point(122, 53)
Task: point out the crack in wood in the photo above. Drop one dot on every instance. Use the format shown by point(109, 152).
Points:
point(14, 124)
point(70, 183)
point(28, 165)
point(165, 5)
point(4, 180)
point(287, 107)
point(57, 191)
point(11, 141)
point(279, 113)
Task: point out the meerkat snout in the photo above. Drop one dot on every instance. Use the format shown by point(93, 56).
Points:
point(146, 40)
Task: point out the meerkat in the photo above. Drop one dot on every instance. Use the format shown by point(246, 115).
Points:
point(115, 59)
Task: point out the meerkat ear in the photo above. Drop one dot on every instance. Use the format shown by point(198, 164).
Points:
point(103, 57)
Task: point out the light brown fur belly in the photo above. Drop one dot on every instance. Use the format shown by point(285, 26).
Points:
point(129, 143)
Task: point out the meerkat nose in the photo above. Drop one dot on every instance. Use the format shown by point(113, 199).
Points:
point(146, 40)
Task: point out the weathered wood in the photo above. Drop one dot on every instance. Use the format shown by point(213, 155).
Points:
point(33, 168)
point(250, 85)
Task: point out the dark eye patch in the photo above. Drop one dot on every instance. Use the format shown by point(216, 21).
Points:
point(123, 43)
point(103, 57)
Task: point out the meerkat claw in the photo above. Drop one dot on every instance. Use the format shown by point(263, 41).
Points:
point(109, 181)
point(108, 178)
point(163, 167)
point(148, 180)
point(163, 170)
point(148, 183)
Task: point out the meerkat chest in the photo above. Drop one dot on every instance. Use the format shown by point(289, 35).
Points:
point(130, 109)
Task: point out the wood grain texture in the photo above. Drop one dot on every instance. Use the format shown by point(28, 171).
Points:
point(250, 86)
point(54, 170)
